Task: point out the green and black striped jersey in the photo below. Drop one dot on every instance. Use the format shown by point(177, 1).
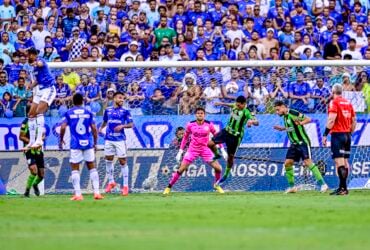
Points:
point(25, 130)
point(297, 133)
point(238, 119)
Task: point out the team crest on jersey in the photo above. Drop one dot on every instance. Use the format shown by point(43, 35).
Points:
point(206, 128)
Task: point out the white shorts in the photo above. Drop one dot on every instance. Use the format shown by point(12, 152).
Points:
point(117, 148)
point(44, 95)
point(77, 155)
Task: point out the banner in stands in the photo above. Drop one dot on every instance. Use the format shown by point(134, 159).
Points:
point(152, 169)
point(158, 131)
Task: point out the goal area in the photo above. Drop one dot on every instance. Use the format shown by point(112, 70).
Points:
point(162, 97)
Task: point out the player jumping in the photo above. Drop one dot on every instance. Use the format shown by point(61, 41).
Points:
point(341, 124)
point(232, 135)
point(44, 95)
point(116, 119)
point(35, 161)
point(84, 136)
point(200, 131)
point(300, 145)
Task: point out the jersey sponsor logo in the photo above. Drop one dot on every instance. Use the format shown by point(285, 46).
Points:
point(84, 142)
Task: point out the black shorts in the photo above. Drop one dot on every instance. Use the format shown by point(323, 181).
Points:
point(232, 142)
point(341, 145)
point(298, 152)
point(35, 159)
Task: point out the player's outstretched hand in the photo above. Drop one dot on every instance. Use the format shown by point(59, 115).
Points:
point(178, 156)
point(279, 128)
point(324, 141)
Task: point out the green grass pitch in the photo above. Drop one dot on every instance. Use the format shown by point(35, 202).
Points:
point(307, 220)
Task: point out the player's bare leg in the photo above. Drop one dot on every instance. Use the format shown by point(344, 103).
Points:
point(289, 175)
point(110, 173)
point(124, 170)
point(175, 177)
point(316, 173)
point(41, 109)
point(94, 177)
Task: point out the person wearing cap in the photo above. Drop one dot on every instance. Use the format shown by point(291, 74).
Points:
point(49, 53)
point(75, 44)
point(133, 51)
point(269, 42)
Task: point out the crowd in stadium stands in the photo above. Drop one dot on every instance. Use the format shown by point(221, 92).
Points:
point(172, 30)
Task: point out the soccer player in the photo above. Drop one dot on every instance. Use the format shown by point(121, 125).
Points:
point(116, 119)
point(35, 161)
point(341, 124)
point(44, 95)
point(84, 136)
point(200, 131)
point(300, 145)
point(233, 134)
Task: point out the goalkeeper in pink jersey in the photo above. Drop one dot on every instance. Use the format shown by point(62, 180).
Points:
point(200, 131)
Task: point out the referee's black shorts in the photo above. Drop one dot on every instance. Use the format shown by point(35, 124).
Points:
point(35, 159)
point(298, 152)
point(232, 142)
point(341, 145)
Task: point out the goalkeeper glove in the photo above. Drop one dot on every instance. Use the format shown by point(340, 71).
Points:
point(179, 154)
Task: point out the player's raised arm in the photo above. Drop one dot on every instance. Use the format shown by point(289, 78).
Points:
point(224, 104)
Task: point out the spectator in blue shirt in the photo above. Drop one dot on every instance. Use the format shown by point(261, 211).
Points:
point(14, 68)
point(300, 93)
point(320, 94)
point(22, 96)
point(69, 22)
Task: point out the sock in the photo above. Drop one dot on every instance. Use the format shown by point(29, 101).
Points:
point(110, 170)
point(317, 174)
point(217, 176)
point(342, 173)
point(32, 124)
point(226, 174)
point(76, 182)
point(124, 169)
point(40, 126)
point(37, 180)
point(94, 177)
point(30, 181)
point(175, 177)
point(289, 175)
